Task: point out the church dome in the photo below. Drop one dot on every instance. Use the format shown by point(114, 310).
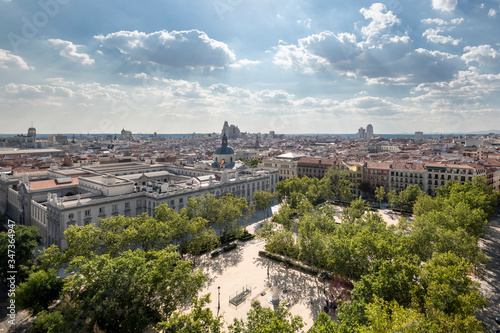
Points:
point(224, 149)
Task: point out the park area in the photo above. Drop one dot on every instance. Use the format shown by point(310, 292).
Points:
point(243, 272)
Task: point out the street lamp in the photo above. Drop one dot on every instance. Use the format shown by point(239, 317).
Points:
point(218, 300)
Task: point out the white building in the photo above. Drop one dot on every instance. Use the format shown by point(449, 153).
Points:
point(79, 196)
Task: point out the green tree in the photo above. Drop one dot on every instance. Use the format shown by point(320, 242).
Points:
point(20, 248)
point(380, 195)
point(191, 234)
point(50, 322)
point(391, 317)
point(230, 211)
point(325, 324)
point(355, 211)
point(446, 286)
point(199, 319)
point(393, 197)
point(262, 200)
point(261, 319)
point(339, 184)
point(409, 196)
point(39, 291)
point(131, 291)
point(389, 280)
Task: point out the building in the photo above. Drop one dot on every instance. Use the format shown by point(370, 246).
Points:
point(404, 174)
point(224, 155)
point(317, 167)
point(376, 174)
point(125, 135)
point(361, 133)
point(59, 139)
point(369, 132)
point(231, 131)
point(32, 134)
point(419, 136)
point(286, 164)
point(58, 198)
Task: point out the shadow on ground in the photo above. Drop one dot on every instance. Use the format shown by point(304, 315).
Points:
point(490, 284)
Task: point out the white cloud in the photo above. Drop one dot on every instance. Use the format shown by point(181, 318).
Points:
point(444, 5)
point(466, 87)
point(394, 62)
point(306, 22)
point(9, 60)
point(244, 63)
point(433, 35)
point(69, 50)
point(381, 20)
point(181, 49)
point(437, 21)
point(492, 12)
point(483, 54)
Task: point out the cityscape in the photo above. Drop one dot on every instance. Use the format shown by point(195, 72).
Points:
point(249, 167)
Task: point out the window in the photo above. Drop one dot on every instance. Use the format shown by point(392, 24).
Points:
point(114, 208)
point(87, 212)
point(127, 205)
point(71, 216)
point(101, 210)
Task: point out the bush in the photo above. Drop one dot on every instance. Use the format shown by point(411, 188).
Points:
point(297, 265)
point(247, 236)
point(229, 247)
point(215, 253)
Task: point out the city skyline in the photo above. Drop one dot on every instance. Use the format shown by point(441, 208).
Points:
point(289, 67)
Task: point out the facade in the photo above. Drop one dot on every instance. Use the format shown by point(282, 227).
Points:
point(439, 174)
point(317, 167)
point(403, 175)
point(79, 196)
point(286, 164)
point(377, 174)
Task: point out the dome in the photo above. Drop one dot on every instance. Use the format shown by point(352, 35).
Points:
point(224, 149)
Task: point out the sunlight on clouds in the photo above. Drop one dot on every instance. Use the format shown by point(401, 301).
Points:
point(9, 60)
point(182, 49)
point(444, 5)
point(69, 50)
point(483, 54)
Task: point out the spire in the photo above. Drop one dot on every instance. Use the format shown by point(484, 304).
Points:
point(224, 140)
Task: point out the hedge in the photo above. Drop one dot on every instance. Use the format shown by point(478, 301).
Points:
point(295, 264)
point(229, 247)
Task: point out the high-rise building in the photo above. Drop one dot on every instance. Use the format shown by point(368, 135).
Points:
point(231, 131)
point(32, 134)
point(361, 133)
point(369, 132)
point(419, 135)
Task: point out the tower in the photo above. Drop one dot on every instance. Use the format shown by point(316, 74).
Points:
point(32, 134)
point(369, 132)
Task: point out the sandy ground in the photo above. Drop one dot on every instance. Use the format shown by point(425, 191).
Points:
point(243, 268)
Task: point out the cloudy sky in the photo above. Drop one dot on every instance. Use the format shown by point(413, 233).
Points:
point(292, 66)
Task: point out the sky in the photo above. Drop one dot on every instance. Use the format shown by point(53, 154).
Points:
point(183, 66)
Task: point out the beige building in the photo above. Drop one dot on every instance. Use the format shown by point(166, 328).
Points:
point(286, 164)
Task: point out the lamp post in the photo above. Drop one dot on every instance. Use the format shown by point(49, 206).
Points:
point(218, 300)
